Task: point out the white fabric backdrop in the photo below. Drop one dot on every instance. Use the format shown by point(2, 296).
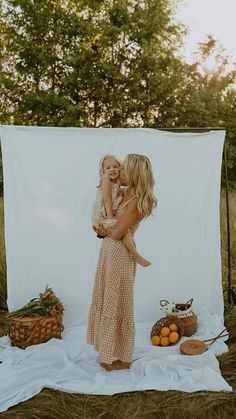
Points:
point(49, 185)
point(50, 178)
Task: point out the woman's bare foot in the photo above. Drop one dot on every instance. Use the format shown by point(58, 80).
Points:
point(141, 261)
point(121, 365)
point(108, 367)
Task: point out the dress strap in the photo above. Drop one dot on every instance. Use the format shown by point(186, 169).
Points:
point(129, 200)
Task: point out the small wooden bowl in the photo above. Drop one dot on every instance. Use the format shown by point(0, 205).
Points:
point(193, 347)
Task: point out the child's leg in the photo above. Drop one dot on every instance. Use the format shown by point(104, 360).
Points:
point(129, 243)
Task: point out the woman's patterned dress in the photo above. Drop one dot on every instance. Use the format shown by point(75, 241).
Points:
point(111, 327)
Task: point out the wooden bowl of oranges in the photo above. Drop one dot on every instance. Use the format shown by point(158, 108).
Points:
point(167, 331)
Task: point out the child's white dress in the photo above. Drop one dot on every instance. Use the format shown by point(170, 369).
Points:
point(99, 215)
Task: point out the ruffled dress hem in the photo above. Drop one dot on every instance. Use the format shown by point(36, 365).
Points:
point(108, 332)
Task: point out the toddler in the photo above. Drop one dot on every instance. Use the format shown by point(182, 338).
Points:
point(109, 196)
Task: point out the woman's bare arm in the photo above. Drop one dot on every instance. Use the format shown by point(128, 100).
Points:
point(129, 218)
point(107, 197)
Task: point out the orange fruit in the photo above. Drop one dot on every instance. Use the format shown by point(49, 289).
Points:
point(173, 327)
point(165, 341)
point(156, 340)
point(165, 331)
point(173, 337)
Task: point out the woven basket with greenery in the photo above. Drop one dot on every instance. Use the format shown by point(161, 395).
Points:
point(36, 322)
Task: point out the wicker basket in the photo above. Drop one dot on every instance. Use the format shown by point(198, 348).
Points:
point(186, 314)
point(190, 324)
point(166, 321)
point(27, 331)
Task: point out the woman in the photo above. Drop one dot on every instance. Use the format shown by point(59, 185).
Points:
point(111, 327)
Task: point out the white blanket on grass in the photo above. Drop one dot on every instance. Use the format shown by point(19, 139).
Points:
point(71, 365)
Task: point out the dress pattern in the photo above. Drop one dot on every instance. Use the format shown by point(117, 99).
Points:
point(111, 327)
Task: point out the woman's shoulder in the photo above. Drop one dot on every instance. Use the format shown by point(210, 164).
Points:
point(131, 201)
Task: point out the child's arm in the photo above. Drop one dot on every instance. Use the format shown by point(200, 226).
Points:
point(107, 197)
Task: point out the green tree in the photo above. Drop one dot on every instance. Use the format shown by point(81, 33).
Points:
point(208, 96)
point(112, 63)
point(90, 63)
point(37, 36)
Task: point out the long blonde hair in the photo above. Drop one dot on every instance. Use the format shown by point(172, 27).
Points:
point(140, 182)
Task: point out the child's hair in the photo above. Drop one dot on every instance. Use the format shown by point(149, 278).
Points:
point(102, 161)
point(140, 182)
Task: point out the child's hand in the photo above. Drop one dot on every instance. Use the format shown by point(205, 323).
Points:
point(100, 236)
point(101, 230)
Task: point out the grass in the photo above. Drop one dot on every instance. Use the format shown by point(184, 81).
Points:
point(50, 404)
point(224, 248)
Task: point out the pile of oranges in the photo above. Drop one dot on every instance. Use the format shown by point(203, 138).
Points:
point(168, 335)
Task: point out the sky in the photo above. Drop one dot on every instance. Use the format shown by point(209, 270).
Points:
point(215, 17)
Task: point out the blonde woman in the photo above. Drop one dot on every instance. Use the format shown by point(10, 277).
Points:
point(111, 327)
point(108, 198)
